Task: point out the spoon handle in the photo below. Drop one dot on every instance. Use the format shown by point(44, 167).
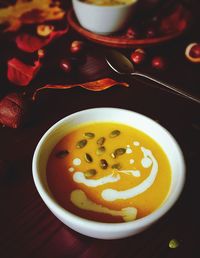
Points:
point(170, 87)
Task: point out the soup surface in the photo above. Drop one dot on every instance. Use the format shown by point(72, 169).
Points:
point(108, 2)
point(108, 172)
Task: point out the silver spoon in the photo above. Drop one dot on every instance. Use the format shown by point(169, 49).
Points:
point(122, 65)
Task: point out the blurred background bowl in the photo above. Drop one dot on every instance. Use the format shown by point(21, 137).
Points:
point(102, 19)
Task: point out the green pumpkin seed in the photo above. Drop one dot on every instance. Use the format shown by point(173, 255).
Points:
point(61, 154)
point(90, 173)
point(118, 152)
point(116, 166)
point(103, 164)
point(88, 158)
point(89, 135)
point(100, 150)
point(173, 243)
point(81, 144)
point(101, 141)
point(114, 133)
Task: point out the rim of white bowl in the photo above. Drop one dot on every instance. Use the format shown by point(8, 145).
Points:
point(108, 6)
point(75, 219)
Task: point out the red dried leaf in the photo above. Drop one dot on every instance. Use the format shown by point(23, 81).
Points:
point(21, 12)
point(20, 73)
point(98, 85)
point(13, 108)
point(30, 43)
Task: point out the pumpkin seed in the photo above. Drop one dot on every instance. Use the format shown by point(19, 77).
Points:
point(88, 158)
point(81, 144)
point(90, 172)
point(114, 133)
point(118, 152)
point(61, 154)
point(101, 141)
point(89, 135)
point(173, 243)
point(100, 150)
point(103, 164)
point(116, 166)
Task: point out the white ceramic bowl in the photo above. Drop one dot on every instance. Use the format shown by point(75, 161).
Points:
point(138, 121)
point(103, 19)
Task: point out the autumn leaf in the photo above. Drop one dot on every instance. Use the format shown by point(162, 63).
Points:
point(98, 85)
point(20, 73)
point(28, 12)
point(13, 110)
point(30, 43)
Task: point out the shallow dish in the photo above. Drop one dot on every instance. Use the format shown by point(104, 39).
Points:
point(99, 229)
point(119, 40)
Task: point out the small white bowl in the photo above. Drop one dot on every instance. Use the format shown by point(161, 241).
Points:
point(103, 19)
point(138, 121)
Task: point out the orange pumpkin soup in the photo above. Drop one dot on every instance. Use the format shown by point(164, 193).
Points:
point(108, 172)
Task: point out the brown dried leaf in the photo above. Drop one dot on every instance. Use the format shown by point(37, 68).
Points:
point(28, 12)
point(20, 73)
point(13, 110)
point(98, 85)
point(31, 43)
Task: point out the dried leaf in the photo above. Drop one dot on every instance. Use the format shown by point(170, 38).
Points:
point(98, 85)
point(28, 12)
point(13, 109)
point(20, 73)
point(30, 43)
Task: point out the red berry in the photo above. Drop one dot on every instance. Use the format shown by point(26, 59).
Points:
point(158, 63)
point(195, 51)
point(192, 52)
point(76, 46)
point(131, 33)
point(65, 65)
point(138, 56)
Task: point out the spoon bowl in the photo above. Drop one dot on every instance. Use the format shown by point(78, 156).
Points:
point(119, 62)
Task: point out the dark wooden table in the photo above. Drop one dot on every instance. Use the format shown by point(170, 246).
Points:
point(28, 228)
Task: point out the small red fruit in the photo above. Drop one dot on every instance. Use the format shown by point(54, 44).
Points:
point(138, 56)
point(131, 33)
point(76, 46)
point(192, 52)
point(195, 51)
point(65, 65)
point(158, 63)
